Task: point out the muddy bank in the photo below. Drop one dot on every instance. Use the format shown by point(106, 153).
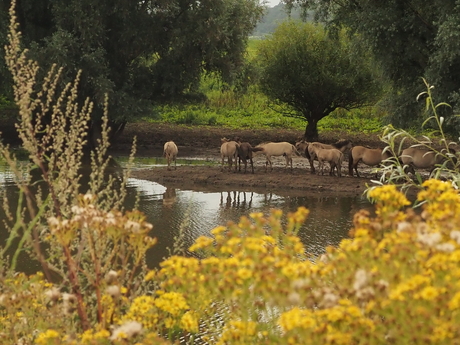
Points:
point(204, 143)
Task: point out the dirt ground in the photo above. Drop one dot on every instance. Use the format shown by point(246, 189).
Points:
point(204, 143)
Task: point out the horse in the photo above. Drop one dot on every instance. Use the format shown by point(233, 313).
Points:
point(278, 149)
point(228, 150)
point(424, 158)
point(342, 145)
point(301, 146)
point(170, 152)
point(368, 156)
point(333, 156)
point(244, 152)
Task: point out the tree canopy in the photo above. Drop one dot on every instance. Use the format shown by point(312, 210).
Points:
point(137, 52)
point(411, 40)
point(315, 74)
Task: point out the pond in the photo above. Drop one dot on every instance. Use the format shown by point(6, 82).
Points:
point(189, 214)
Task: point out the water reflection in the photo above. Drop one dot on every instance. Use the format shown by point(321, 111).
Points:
point(195, 213)
point(169, 197)
point(189, 214)
point(237, 200)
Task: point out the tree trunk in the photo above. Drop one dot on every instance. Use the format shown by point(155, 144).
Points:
point(311, 131)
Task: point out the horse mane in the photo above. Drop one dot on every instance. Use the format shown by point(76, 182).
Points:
point(342, 143)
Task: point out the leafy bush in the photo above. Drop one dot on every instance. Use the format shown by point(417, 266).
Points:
point(446, 150)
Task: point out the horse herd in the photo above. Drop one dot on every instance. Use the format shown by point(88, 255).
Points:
point(237, 151)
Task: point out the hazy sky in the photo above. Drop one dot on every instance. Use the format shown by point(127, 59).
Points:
point(272, 3)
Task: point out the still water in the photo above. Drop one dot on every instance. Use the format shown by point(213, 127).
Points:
point(193, 213)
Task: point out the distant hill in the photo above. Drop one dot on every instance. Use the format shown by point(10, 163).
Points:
point(274, 16)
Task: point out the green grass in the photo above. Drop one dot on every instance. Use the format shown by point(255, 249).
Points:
point(226, 109)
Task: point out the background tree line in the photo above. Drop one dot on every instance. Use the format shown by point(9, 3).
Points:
point(137, 52)
point(409, 40)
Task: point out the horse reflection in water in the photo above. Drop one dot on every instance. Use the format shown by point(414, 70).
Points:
point(169, 197)
point(237, 200)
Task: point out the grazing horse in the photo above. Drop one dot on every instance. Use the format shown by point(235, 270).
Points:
point(278, 149)
point(342, 145)
point(371, 157)
point(244, 151)
point(170, 152)
point(423, 158)
point(333, 156)
point(228, 150)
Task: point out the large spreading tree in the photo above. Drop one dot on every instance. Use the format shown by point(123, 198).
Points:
point(137, 52)
point(314, 74)
point(411, 39)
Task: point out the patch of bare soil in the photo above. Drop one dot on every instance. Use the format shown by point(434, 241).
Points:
point(204, 143)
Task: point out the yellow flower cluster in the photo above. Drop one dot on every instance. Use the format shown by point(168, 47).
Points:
point(396, 279)
point(388, 201)
point(47, 337)
point(171, 302)
point(239, 332)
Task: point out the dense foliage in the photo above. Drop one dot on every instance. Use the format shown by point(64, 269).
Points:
point(411, 40)
point(136, 52)
point(315, 74)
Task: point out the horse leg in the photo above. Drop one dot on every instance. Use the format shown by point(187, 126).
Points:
point(312, 165)
point(252, 164)
point(289, 158)
point(175, 163)
point(331, 168)
point(350, 164)
point(269, 161)
point(168, 159)
point(355, 166)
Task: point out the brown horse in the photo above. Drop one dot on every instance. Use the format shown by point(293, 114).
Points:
point(278, 149)
point(244, 151)
point(333, 156)
point(170, 152)
point(343, 145)
point(371, 157)
point(424, 158)
point(228, 150)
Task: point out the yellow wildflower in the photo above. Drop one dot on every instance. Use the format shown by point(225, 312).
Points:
point(43, 338)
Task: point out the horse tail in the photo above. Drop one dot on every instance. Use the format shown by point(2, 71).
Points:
point(350, 162)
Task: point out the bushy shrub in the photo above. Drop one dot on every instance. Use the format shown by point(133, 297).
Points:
point(394, 280)
point(436, 141)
